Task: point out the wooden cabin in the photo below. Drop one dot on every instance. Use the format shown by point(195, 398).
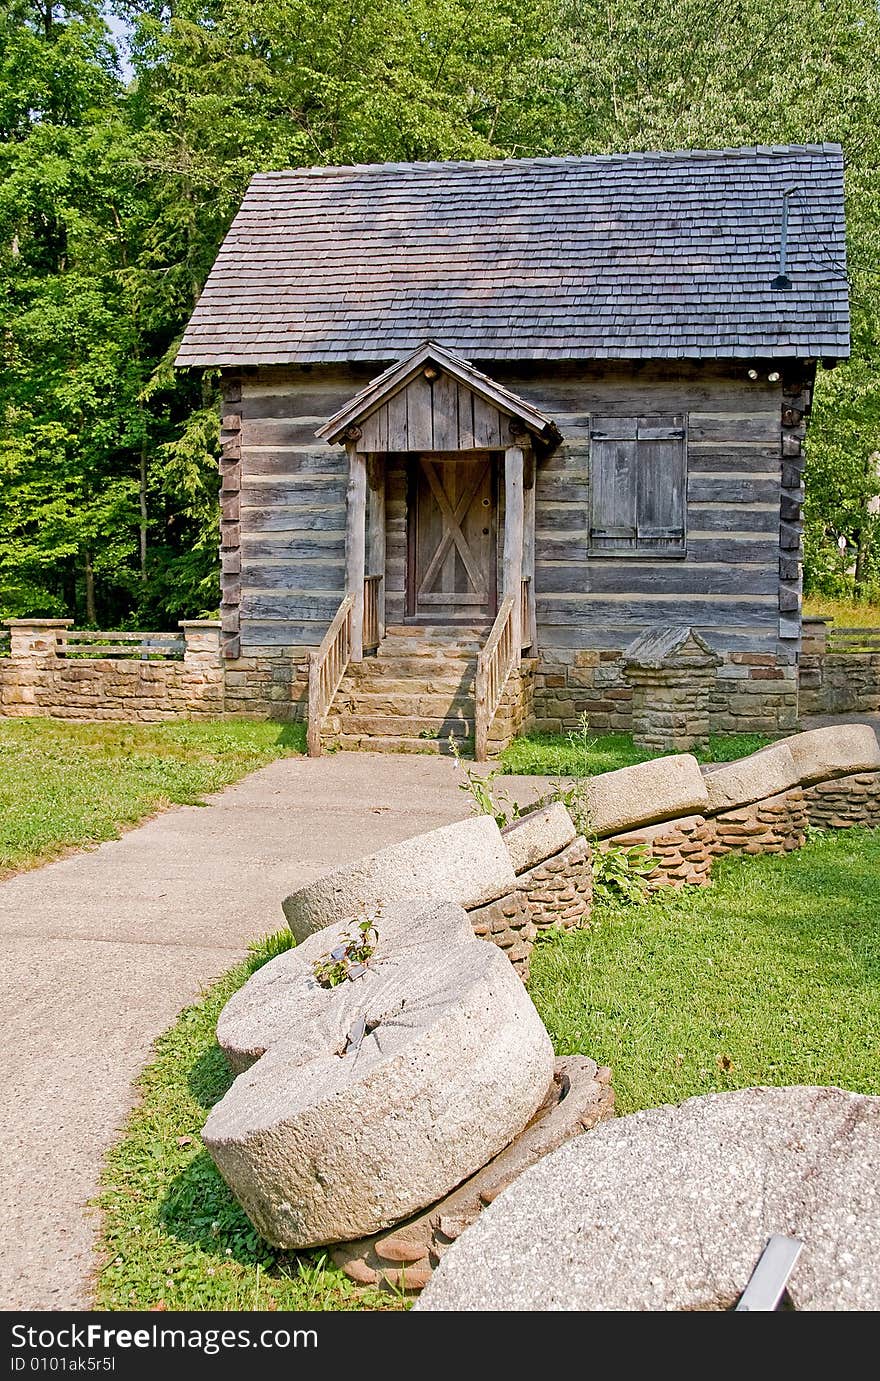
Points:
point(487, 423)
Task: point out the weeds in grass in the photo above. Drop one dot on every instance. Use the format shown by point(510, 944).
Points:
point(619, 874)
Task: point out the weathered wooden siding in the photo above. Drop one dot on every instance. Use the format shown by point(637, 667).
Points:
point(292, 505)
point(728, 583)
point(292, 508)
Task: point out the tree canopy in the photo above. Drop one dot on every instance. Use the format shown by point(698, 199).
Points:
point(116, 188)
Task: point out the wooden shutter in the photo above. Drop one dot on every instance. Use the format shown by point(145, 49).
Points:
point(613, 483)
point(662, 483)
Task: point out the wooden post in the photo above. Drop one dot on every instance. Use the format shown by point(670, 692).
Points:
point(530, 633)
point(513, 536)
point(355, 544)
point(376, 478)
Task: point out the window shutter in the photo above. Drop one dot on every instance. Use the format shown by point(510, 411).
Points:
point(662, 482)
point(613, 483)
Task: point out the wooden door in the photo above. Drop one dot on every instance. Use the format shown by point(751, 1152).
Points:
point(451, 574)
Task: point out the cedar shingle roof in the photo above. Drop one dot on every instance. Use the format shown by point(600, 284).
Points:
point(631, 256)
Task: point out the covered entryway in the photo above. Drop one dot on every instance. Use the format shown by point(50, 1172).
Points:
point(467, 449)
point(451, 572)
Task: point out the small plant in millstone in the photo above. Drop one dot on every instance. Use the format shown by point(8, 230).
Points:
point(348, 959)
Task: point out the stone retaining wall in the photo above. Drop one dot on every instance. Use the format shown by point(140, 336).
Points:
point(775, 825)
point(38, 678)
point(844, 802)
point(681, 849)
point(753, 693)
point(559, 890)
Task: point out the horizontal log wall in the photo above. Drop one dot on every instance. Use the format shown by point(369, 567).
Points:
point(289, 523)
point(292, 531)
point(727, 586)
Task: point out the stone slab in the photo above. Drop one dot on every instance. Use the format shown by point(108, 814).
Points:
point(835, 751)
point(538, 835)
point(327, 1137)
point(579, 1097)
point(645, 793)
point(762, 774)
point(670, 1209)
point(466, 862)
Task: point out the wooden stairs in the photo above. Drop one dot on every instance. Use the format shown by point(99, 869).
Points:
point(408, 698)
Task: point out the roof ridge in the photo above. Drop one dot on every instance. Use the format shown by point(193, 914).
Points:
point(552, 160)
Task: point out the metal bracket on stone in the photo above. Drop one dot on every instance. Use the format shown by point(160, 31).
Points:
point(766, 1287)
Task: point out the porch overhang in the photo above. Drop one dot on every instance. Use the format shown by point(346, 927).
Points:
point(434, 400)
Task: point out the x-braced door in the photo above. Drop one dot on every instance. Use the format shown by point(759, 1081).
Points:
point(451, 575)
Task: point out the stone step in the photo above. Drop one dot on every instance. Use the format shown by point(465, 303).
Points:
point(440, 632)
point(392, 649)
point(402, 726)
point(394, 744)
point(413, 700)
point(444, 671)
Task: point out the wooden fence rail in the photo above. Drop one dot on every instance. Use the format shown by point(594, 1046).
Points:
point(853, 640)
point(146, 646)
point(494, 664)
point(327, 667)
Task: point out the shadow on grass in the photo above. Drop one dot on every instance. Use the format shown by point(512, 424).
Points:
point(292, 736)
point(209, 1077)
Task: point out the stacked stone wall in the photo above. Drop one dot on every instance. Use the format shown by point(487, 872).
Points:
point(752, 693)
point(38, 678)
point(845, 801)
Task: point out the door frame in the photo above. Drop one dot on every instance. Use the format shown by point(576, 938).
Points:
point(413, 463)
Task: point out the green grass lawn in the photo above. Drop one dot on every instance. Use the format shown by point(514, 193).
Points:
point(768, 976)
point(846, 613)
point(583, 755)
point(65, 786)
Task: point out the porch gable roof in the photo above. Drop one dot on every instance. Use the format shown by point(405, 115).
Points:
point(398, 376)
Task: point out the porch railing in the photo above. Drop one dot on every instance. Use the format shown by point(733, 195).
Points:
point(373, 587)
point(494, 664)
point(525, 613)
point(326, 669)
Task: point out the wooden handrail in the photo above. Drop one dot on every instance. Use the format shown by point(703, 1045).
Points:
point(327, 666)
point(495, 662)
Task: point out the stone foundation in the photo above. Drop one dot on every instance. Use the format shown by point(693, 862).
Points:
point(569, 684)
point(509, 924)
point(515, 714)
point(847, 801)
point(682, 851)
point(775, 825)
point(268, 683)
point(559, 891)
point(753, 693)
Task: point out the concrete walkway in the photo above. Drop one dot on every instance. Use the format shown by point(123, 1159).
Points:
point(102, 949)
